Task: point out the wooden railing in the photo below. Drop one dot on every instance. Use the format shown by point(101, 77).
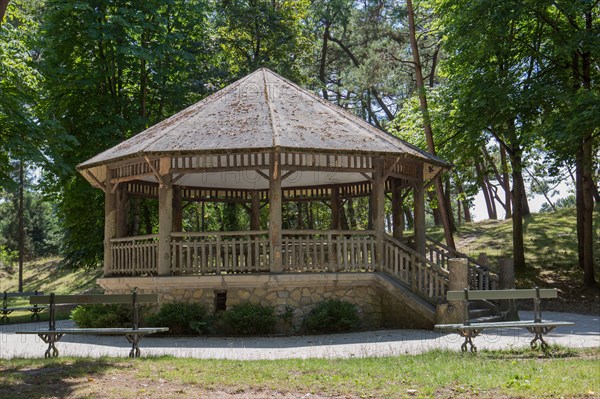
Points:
point(219, 252)
point(481, 277)
point(330, 250)
point(134, 256)
point(424, 277)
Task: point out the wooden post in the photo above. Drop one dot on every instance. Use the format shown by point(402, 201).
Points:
point(110, 220)
point(122, 200)
point(419, 200)
point(506, 273)
point(378, 196)
point(458, 273)
point(177, 209)
point(165, 218)
point(397, 209)
point(275, 237)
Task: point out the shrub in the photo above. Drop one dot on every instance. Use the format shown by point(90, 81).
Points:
point(332, 316)
point(181, 318)
point(99, 316)
point(249, 319)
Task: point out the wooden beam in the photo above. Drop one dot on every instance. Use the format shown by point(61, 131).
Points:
point(387, 172)
point(369, 178)
point(288, 174)
point(263, 174)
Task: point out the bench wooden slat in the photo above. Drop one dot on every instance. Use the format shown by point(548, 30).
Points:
point(506, 324)
point(503, 294)
point(93, 299)
point(96, 331)
point(18, 294)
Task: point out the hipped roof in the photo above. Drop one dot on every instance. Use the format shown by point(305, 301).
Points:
point(261, 112)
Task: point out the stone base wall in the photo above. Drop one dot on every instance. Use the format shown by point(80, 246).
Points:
point(297, 294)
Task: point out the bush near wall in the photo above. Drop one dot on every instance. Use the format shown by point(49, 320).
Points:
point(248, 319)
point(181, 318)
point(102, 316)
point(332, 316)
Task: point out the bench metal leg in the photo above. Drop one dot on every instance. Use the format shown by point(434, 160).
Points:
point(4, 318)
point(539, 336)
point(468, 335)
point(51, 339)
point(35, 314)
point(134, 339)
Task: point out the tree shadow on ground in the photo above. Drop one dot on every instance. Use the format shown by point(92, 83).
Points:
point(51, 379)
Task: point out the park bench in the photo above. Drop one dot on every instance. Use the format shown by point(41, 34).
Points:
point(134, 335)
point(537, 326)
point(6, 309)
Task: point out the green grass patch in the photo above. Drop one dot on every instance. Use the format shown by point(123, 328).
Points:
point(524, 373)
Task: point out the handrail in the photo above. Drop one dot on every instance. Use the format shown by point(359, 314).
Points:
point(178, 234)
point(457, 254)
point(134, 238)
point(325, 232)
point(411, 251)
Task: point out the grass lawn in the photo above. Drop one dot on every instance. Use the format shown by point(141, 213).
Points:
point(45, 275)
point(550, 252)
point(504, 374)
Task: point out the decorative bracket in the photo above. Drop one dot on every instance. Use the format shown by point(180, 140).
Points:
point(95, 179)
point(153, 169)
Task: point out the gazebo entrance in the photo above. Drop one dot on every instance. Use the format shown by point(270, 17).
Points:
point(264, 141)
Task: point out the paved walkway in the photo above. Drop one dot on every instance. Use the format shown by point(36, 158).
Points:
point(584, 334)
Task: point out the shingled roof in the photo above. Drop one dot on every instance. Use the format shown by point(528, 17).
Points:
point(261, 112)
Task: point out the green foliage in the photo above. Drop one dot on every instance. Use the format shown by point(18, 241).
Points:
point(42, 231)
point(332, 316)
point(249, 319)
point(111, 69)
point(101, 315)
point(262, 33)
point(181, 318)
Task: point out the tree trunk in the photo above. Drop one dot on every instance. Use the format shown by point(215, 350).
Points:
point(448, 203)
point(351, 214)
point(323, 63)
point(587, 172)
point(21, 217)
point(468, 218)
point(485, 191)
point(587, 212)
point(426, 120)
point(505, 183)
point(3, 6)
point(410, 221)
point(517, 217)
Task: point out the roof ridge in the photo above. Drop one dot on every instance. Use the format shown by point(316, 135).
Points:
point(276, 141)
point(388, 137)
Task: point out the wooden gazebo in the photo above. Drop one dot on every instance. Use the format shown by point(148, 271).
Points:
point(263, 140)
